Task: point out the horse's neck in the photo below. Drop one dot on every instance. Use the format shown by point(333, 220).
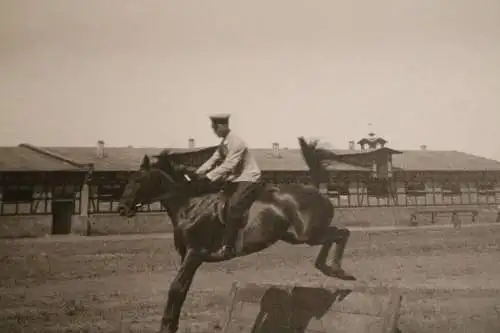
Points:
point(196, 206)
point(187, 205)
point(192, 199)
point(172, 206)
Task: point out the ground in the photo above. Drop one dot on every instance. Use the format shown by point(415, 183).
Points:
point(450, 279)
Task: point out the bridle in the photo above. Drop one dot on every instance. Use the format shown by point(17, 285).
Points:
point(164, 196)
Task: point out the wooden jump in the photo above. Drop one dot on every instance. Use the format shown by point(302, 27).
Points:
point(259, 308)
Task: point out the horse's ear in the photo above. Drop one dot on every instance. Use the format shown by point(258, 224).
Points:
point(145, 164)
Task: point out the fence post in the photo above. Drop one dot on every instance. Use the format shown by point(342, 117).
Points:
point(85, 197)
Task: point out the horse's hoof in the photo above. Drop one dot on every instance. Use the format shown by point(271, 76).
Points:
point(167, 330)
point(344, 276)
point(338, 273)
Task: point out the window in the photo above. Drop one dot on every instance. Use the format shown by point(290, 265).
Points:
point(450, 188)
point(415, 188)
point(64, 192)
point(487, 188)
point(336, 188)
point(110, 192)
point(378, 188)
point(17, 194)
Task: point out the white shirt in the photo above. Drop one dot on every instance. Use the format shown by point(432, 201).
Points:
point(238, 163)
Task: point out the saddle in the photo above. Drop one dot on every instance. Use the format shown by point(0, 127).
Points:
point(220, 208)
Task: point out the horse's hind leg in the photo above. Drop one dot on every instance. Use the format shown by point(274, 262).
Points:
point(326, 235)
point(340, 237)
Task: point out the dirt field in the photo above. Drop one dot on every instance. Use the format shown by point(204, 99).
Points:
point(450, 280)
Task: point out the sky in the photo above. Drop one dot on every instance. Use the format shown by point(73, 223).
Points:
point(149, 73)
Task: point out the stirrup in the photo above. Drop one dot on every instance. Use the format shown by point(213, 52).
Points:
point(225, 251)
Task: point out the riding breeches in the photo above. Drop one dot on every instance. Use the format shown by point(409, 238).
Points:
point(240, 195)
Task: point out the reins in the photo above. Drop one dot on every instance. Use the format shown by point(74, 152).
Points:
point(169, 194)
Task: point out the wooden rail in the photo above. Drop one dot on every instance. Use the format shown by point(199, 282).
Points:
point(453, 211)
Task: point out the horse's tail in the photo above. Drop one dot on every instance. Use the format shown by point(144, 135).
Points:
point(313, 158)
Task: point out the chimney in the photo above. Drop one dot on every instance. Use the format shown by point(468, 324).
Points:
point(191, 143)
point(423, 147)
point(352, 145)
point(100, 149)
point(276, 149)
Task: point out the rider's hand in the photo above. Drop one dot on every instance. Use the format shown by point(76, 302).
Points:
point(200, 173)
point(202, 178)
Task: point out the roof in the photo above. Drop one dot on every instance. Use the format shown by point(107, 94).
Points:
point(372, 140)
point(115, 158)
point(288, 160)
point(384, 150)
point(129, 159)
point(434, 160)
point(428, 160)
point(25, 159)
point(291, 159)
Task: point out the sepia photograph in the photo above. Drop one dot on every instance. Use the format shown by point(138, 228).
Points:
point(278, 166)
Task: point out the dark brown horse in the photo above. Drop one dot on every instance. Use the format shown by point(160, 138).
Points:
point(293, 213)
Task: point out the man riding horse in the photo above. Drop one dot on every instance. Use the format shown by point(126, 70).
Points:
point(296, 214)
point(234, 164)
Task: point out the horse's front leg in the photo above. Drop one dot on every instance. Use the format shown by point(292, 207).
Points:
point(179, 244)
point(178, 292)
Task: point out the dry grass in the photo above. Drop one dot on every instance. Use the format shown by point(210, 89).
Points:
point(450, 279)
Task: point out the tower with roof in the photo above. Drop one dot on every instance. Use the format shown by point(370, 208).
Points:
point(373, 142)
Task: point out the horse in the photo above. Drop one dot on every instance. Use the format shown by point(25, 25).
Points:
point(292, 213)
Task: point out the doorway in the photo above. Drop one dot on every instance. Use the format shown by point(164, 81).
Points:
point(62, 212)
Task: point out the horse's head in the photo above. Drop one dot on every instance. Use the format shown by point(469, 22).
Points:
point(152, 182)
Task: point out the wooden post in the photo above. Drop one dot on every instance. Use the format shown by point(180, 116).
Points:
point(84, 200)
point(85, 197)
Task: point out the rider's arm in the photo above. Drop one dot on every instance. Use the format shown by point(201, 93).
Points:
point(209, 163)
point(236, 150)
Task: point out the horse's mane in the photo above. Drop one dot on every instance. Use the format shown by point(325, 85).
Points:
point(184, 175)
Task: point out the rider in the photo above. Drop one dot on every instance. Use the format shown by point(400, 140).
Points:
point(239, 169)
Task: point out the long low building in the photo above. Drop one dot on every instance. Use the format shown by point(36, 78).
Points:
point(50, 180)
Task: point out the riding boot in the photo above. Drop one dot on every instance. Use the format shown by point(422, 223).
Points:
point(228, 250)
